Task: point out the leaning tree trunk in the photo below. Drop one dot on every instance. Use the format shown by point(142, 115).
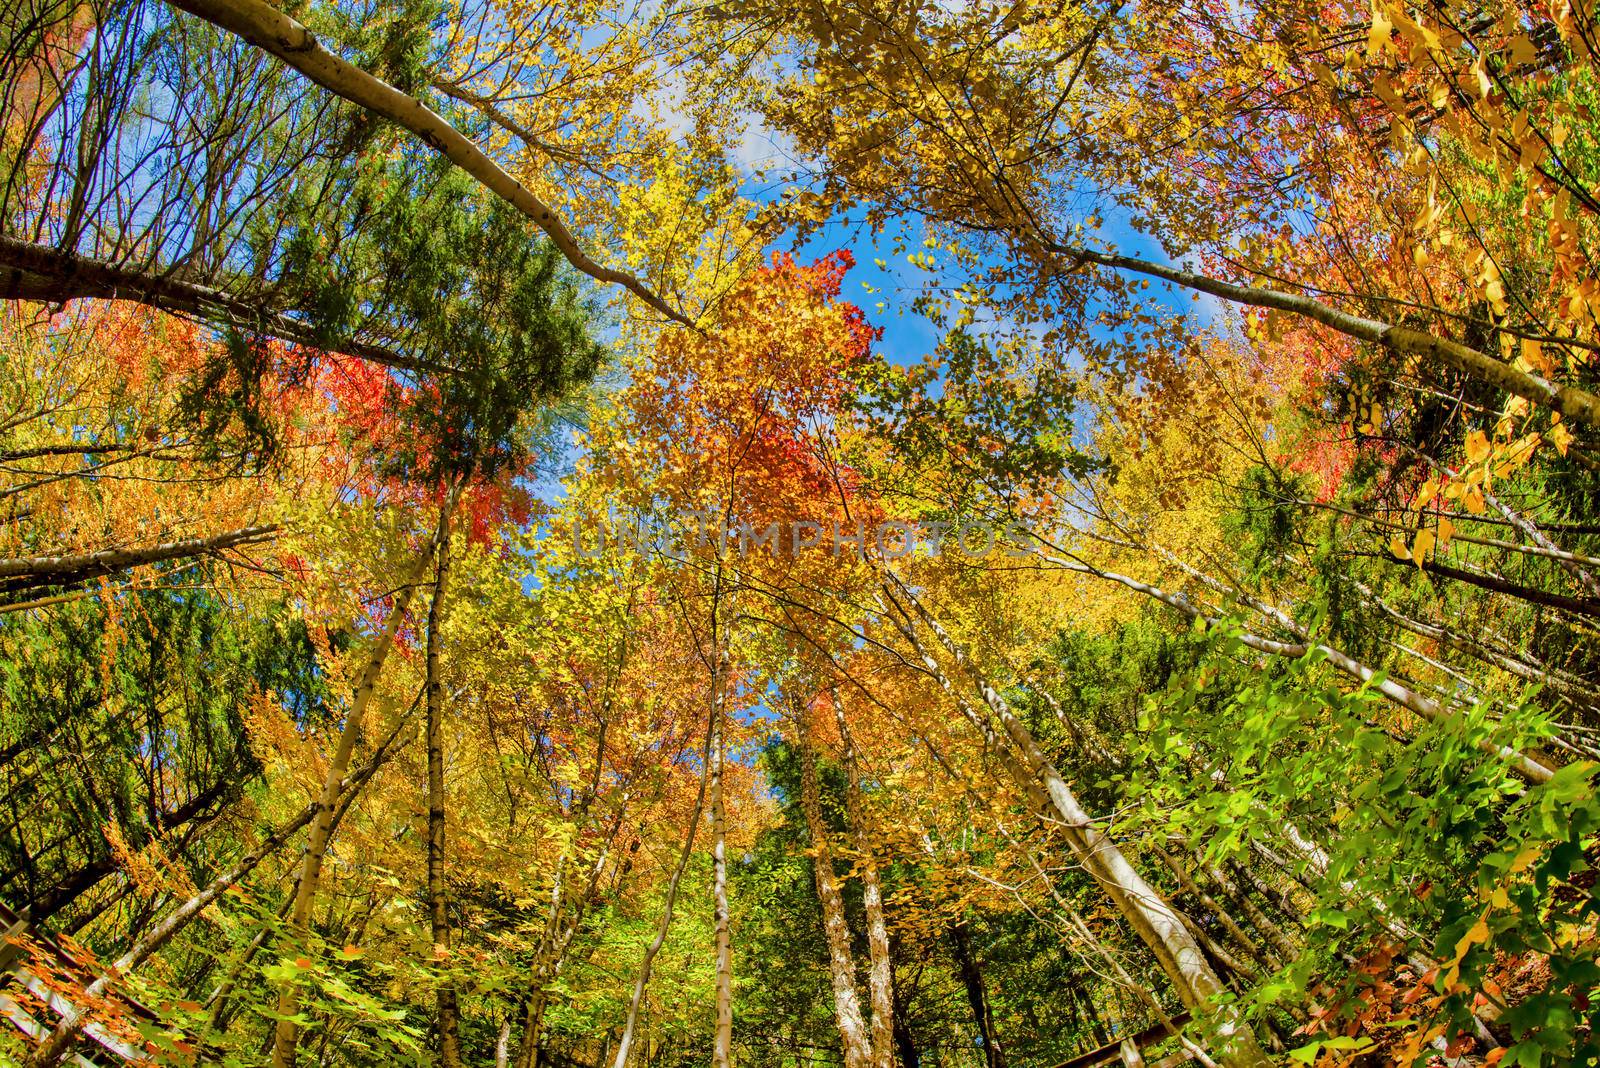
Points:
point(70, 569)
point(1235, 930)
point(1148, 912)
point(1427, 708)
point(1571, 401)
point(274, 32)
point(1282, 946)
point(569, 900)
point(54, 1047)
point(546, 957)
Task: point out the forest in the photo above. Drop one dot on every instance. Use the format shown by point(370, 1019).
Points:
point(799, 533)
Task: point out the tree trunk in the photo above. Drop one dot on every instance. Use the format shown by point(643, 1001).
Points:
point(841, 961)
point(219, 1001)
point(55, 276)
point(567, 907)
point(880, 974)
point(543, 970)
point(1570, 401)
point(502, 1044)
point(222, 1008)
point(1229, 924)
point(449, 1012)
point(61, 1039)
point(977, 996)
point(1578, 690)
point(1145, 909)
point(625, 1045)
point(905, 1045)
point(722, 1044)
point(1567, 561)
point(286, 1035)
point(1281, 945)
point(722, 1047)
point(1425, 707)
point(31, 572)
point(272, 31)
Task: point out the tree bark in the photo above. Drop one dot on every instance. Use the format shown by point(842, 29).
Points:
point(977, 996)
point(1570, 401)
point(625, 1045)
point(218, 1002)
point(1403, 696)
point(905, 1045)
point(448, 1008)
point(502, 1044)
point(722, 1045)
point(841, 960)
point(546, 956)
point(880, 972)
point(272, 31)
point(1281, 945)
point(286, 1034)
point(1574, 688)
point(222, 1008)
point(55, 276)
point(1568, 562)
point(567, 907)
point(31, 572)
point(1145, 909)
point(1583, 606)
point(1229, 924)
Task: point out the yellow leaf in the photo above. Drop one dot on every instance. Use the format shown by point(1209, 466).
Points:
point(1397, 545)
point(1477, 447)
point(1378, 36)
point(1524, 859)
point(1485, 85)
point(1534, 359)
point(1447, 530)
point(1561, 437)
point(1416, 32)
point(1386, 93)
point(1422, 546)
point(1476, 934)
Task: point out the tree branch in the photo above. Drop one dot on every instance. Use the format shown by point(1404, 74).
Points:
point(49, 275)
point(272, 31)
point(1570, 401)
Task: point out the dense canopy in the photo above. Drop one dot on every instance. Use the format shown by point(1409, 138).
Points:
point(877, 533)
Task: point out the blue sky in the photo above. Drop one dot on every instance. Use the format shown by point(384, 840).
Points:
point(908, 336)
